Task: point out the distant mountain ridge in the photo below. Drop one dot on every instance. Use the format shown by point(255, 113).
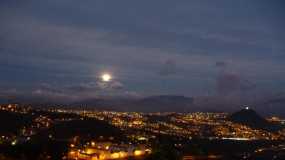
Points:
point(162, 103)
point(159, 103)
point(165, 103)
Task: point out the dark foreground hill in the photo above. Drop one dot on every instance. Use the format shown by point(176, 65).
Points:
point(87, 128)
point(10, 122)
point(250, 118)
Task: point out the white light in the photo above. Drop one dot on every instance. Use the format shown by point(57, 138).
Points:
point(106, 77)
point(247, 108)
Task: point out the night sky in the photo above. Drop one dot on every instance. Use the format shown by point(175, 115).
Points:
point(60, 48)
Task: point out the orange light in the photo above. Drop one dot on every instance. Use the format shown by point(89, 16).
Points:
point(123, 154)
point(115, 155)
point(89, 151)
point(138, 152)
point(71, 152)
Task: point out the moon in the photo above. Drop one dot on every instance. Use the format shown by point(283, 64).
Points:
point(106, 77)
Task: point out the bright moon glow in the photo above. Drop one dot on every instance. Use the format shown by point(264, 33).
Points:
point(106, 77)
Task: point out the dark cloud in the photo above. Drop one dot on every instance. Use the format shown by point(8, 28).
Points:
point(8, 93)
point(96, 86)
point(77, 91)
point(221, 64)
point(113, 85)
point(168, 68)
point(228, 83)
point(67, 43)
point(247, 85)
point(229, 80)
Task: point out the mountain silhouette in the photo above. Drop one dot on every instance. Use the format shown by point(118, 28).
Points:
point(252, 119)
point(161, 103)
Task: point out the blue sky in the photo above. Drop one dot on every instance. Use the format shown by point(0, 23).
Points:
point(61, 47)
